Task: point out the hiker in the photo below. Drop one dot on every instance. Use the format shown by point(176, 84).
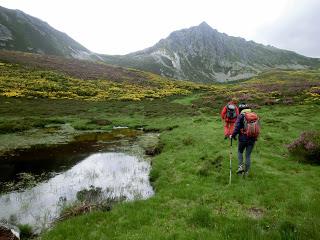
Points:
point(229, 114)
point(248, 128)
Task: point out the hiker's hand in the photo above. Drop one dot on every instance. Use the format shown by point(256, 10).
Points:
point(233, 137)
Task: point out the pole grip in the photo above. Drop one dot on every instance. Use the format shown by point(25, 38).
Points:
point(231, 142)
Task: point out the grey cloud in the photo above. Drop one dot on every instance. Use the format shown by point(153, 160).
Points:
point(297, 30)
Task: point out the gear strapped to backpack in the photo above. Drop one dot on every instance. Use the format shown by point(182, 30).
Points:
point(251, 125)
point(231, 111)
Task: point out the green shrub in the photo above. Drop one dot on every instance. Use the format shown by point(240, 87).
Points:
point(25, 231)
point(307, 147)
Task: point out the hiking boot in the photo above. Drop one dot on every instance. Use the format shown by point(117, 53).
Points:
point(245, 174)
point(240, 170)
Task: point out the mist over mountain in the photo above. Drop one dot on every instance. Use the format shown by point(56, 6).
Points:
point(203, 54)
point(22, 32)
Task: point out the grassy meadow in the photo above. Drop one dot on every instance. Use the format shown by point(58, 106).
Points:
point(280, 199)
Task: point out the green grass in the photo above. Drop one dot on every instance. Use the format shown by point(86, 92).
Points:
point(187, 100)
point(279, 200)
point(189, 205)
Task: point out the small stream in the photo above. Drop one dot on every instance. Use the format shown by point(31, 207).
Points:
point(114, 162)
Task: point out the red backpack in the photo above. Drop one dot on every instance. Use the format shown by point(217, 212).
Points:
point(251, 125)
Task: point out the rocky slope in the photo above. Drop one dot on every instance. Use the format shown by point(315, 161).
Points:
point(203, 54)
point(22, 32)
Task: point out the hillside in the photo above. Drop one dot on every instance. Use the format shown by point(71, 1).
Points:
point(43, 76)
point(202, 54)
point(22, 32)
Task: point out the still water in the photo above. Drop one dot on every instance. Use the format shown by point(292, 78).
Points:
point(117, 166)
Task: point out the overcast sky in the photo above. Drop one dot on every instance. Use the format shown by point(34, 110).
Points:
point(123, 26)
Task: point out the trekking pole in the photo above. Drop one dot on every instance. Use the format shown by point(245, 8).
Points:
point(230, 161)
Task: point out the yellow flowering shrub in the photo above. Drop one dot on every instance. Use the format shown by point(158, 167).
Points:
point(16, 81)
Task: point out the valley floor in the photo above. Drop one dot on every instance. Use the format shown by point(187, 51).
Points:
point(280, 199)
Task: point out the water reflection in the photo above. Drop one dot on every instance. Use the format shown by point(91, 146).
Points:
point(118, 174)
point(43, 159)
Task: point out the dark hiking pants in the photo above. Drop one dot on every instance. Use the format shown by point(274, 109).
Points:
point(241, 147)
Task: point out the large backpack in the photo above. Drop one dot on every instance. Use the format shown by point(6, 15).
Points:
point(251, 125)
point(231, 111)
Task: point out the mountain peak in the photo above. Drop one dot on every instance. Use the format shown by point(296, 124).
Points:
point(204, 25)
point(202, 54)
